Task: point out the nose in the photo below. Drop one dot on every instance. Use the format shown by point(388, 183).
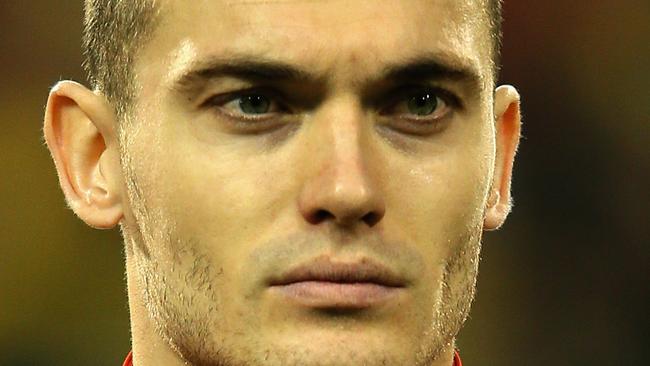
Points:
point(341, 185)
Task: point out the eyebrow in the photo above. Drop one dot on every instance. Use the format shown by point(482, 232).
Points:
point(256, 68)
point(436, 67)
point(251, 68)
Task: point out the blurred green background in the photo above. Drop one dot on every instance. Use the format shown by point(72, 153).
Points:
point(565, 282)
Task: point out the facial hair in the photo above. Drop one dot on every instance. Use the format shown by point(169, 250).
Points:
point(179, 286)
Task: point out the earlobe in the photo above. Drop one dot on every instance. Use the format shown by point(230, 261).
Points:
point(79, 132)
point(508, 129)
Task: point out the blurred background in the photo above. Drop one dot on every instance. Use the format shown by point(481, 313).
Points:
point(565, 282)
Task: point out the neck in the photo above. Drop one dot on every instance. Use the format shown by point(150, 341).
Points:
point(147, 347)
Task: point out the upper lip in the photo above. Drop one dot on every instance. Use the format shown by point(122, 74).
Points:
point(322, 268)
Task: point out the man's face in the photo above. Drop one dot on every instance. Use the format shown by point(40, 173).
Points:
point(237, 174)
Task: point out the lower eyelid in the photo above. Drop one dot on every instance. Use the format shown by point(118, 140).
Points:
point(413, 127)
point(248, 117)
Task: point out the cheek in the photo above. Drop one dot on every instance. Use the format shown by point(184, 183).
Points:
point(214, 194)
point(445, 196)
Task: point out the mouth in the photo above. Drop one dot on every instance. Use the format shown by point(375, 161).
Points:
point(322, 283)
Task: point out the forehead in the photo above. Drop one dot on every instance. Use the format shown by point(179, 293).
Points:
point(343, 38)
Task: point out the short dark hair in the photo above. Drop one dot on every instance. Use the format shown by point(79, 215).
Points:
point(495, 12)
point(115, 29)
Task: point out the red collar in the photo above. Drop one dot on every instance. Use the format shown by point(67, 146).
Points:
point(129, 359)
point(457, 359)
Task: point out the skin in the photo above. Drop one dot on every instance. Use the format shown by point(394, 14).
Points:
point(209, 210)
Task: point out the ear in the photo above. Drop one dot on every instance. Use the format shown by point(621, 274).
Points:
point(79, 130)
point(508, 129)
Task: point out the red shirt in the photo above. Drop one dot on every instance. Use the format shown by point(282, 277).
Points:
point(129, 359)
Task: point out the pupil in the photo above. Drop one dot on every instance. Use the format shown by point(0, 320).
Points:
point(254, 104)
point(422, 104)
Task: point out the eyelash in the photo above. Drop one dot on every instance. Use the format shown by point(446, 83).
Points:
point(397, 96)
point(402, 94)
point(220, 100)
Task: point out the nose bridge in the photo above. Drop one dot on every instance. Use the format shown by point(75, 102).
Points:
point(342, 130)
point(341, 186)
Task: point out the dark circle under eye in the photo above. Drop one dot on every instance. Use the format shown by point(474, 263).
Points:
point(422, 104)
point(254, 104)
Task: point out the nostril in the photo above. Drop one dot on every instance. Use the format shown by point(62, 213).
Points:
point(320, 216)
point(371, 218)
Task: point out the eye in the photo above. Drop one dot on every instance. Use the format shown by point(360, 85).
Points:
point(247, 105)
point(424, 104)
point(252, 104)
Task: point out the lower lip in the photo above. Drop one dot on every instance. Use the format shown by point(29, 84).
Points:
point(324, 294)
